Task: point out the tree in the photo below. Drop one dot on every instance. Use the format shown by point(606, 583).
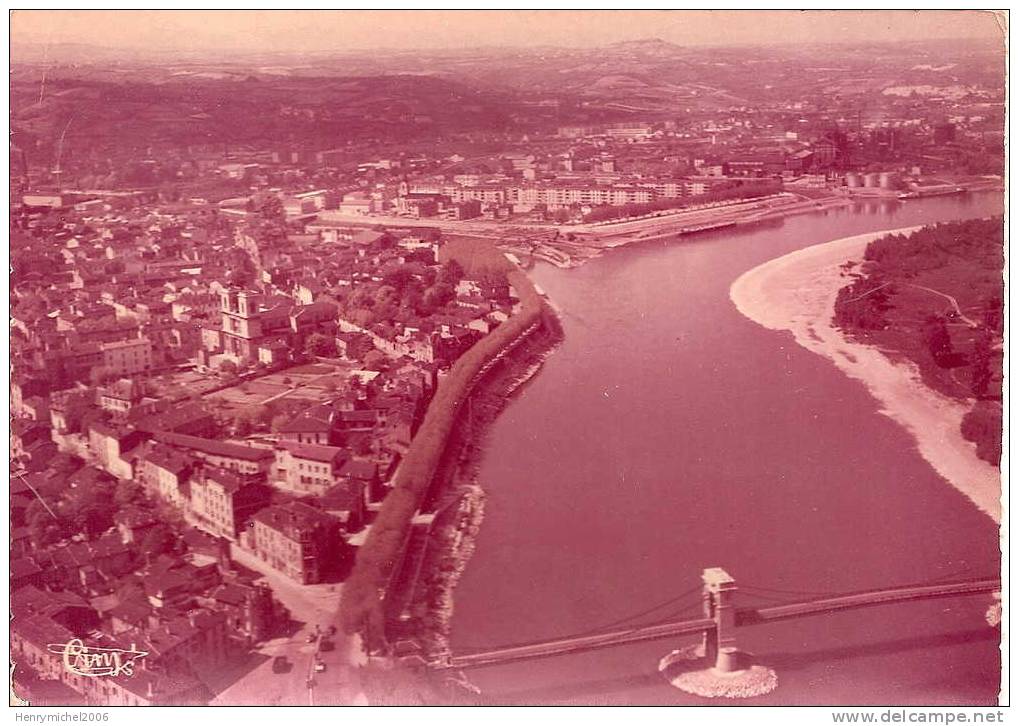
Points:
point(375, 360)
point(981, 374)
point(93, 519)
point(983, 426)
point(87, 510)
point(242, 426)
point(250, 418)
point(994, 318)
point(438, 295)
point(270, 209)
point(127, 492)
point(387, 295)
point(270, 227)
point(262, 415)
point(937, 338)
point(398, 277)
point(412, 298)
point(168, 514)
point(157, 541)
point(43, 528)
point(363, 446)
point(358, 346)
point(228, 367)
point(451, 272)
point(243, 274)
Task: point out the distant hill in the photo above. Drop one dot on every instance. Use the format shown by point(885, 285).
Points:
point(325, 98)
point(232, 105)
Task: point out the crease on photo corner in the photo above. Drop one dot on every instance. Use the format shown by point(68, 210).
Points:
point(15, 700)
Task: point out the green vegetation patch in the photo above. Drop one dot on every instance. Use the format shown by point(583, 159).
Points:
point(935, 298)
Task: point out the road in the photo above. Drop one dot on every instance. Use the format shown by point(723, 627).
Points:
point(261, 686)
point(314, 607)
point(495, 230)
point(951, 299)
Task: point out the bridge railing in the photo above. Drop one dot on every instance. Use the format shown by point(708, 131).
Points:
point(871, 598)
point(713, 625)
point(565, 646)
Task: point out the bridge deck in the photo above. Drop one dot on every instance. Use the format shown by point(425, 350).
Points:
point(865, 599)
point(748, 616)
point(573, 645)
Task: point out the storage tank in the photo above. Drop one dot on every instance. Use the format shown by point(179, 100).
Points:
point(888, 180)
point(852, 179)
point(871, 179)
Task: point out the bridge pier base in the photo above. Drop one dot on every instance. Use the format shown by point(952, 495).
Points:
point(718, 668)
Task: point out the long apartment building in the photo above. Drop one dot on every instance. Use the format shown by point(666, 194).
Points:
point(555, 195)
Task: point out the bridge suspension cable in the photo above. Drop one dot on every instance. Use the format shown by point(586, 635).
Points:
point(686, 595)
point(606, 628)
point(768, 593)
point(574, 644)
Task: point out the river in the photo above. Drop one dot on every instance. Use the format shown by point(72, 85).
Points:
point(668, 434)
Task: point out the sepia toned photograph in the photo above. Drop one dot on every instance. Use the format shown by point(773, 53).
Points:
point(491, 358)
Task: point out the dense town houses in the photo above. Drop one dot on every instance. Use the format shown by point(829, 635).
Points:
point(216, 377)
point(191, 393)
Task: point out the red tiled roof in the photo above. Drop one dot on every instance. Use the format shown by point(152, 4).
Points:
point(313, 452)
point(215, 448)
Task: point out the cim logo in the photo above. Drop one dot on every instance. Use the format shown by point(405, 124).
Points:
point(82, 660)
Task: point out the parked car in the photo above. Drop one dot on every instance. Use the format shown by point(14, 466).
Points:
point(280, 664)
point(319, 666)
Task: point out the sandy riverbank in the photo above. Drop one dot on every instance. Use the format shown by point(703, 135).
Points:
point(797, 293)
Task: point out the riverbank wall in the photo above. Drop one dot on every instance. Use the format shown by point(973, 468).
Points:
point(371, 584)
point(589, 243)
point(457, 495)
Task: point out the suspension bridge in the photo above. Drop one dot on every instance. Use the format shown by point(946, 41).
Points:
point(717, 619)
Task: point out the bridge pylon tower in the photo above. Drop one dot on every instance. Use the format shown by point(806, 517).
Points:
point(719, 594)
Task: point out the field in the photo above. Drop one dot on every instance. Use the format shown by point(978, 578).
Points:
point(309, 384)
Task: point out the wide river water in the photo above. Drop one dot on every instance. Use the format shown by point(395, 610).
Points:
point(669, 434)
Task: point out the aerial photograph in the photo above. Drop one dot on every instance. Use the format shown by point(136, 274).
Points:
point(508, 358)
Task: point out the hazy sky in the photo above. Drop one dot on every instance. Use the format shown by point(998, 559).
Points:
point(291, 30)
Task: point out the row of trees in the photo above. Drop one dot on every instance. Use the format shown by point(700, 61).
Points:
point(970, 242)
